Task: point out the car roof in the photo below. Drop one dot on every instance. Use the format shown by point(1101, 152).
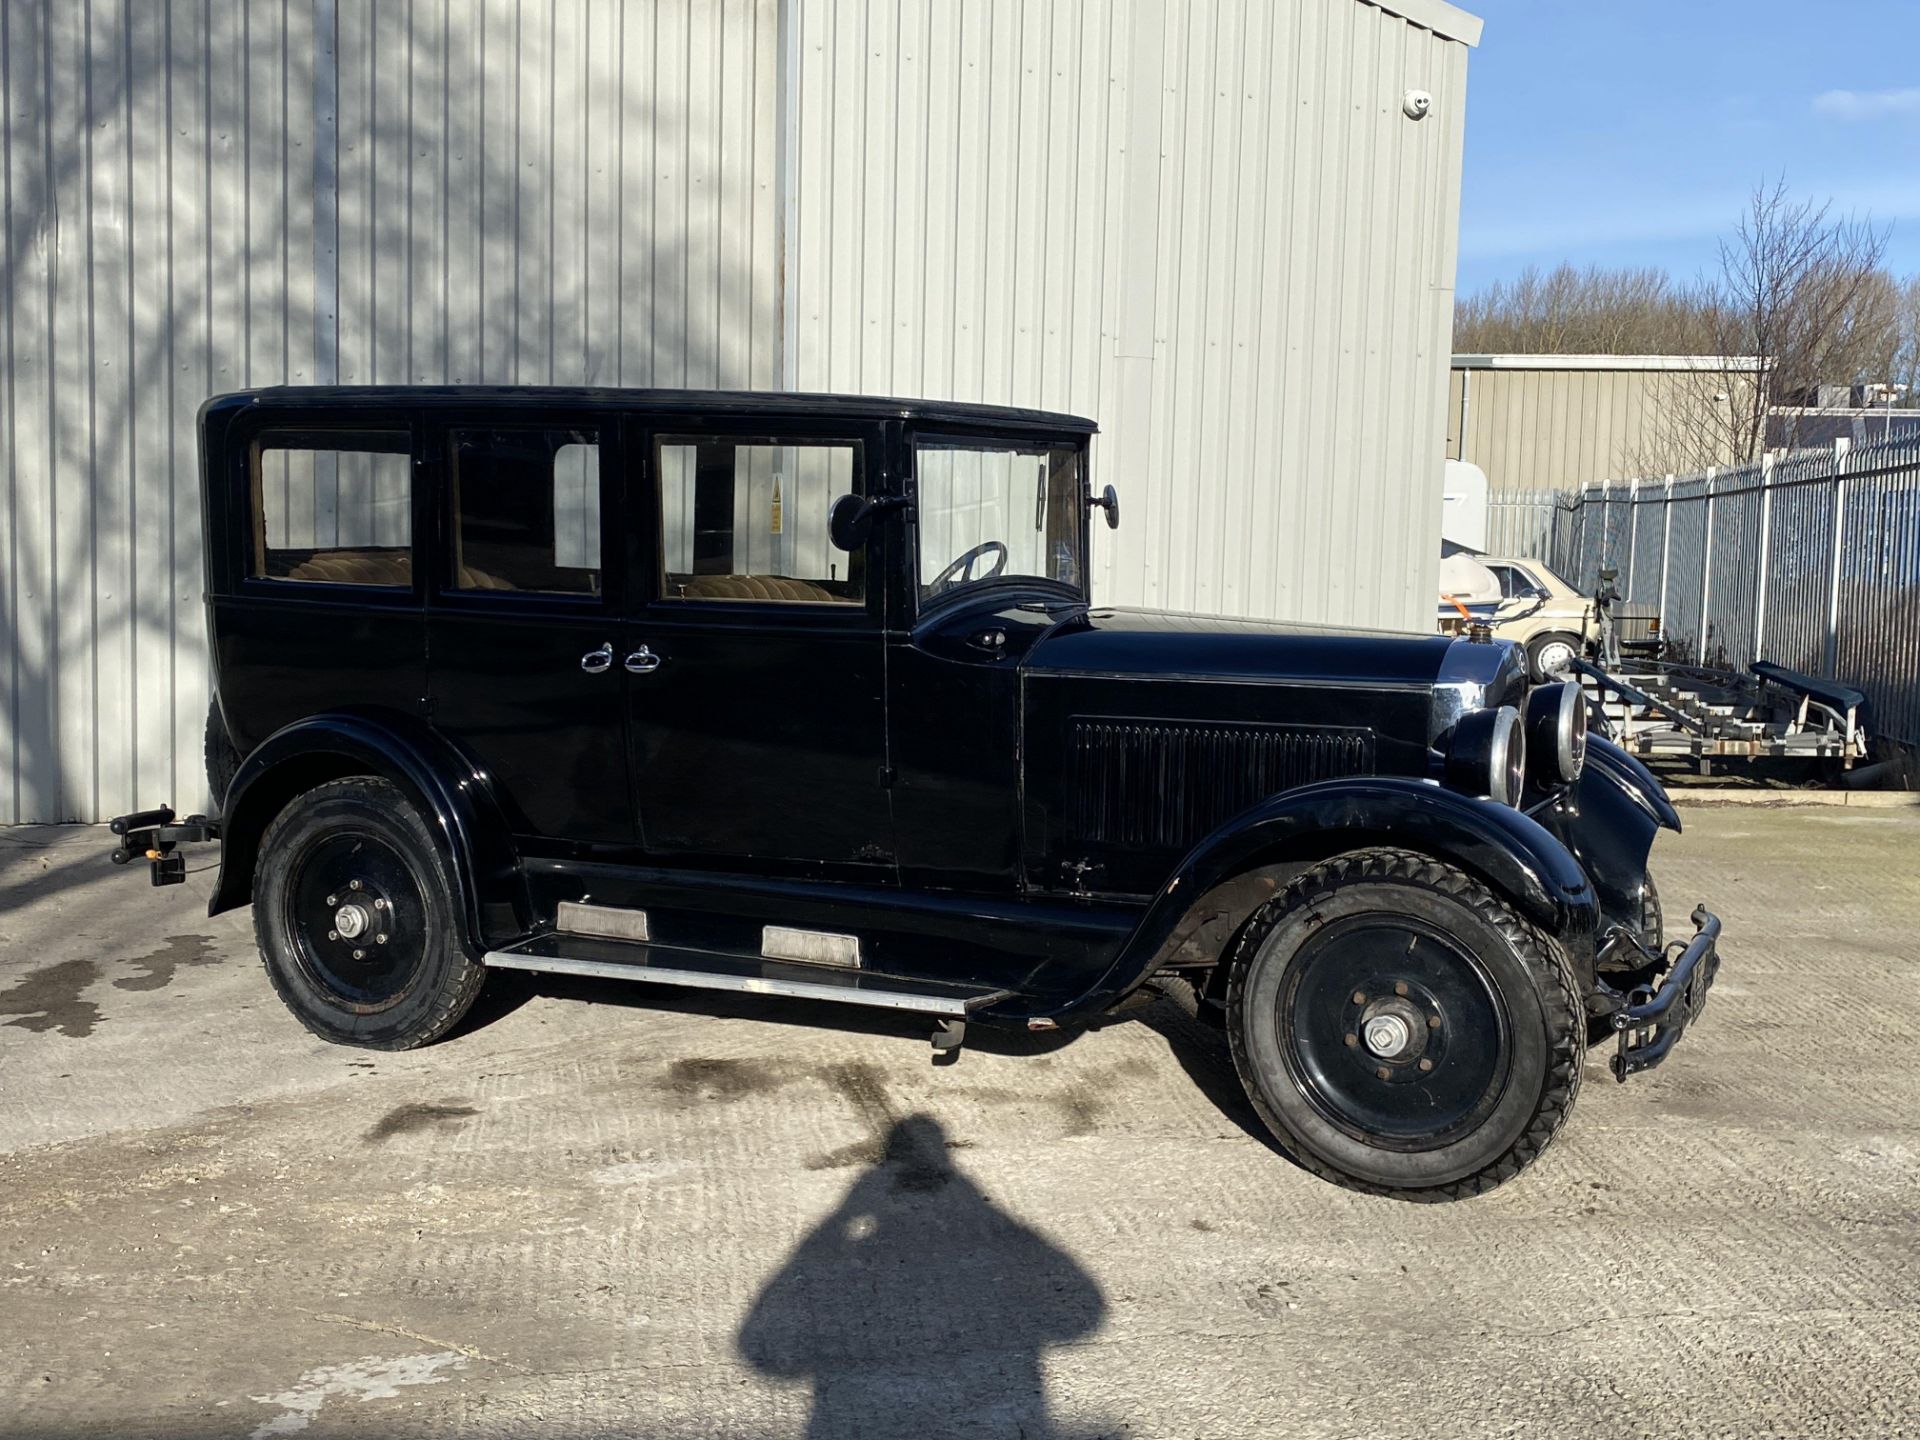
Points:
point(731, 403)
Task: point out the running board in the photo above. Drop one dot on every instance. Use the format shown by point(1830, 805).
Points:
point(750, 975)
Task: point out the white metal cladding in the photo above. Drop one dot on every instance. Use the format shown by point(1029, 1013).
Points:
point(202, 195)
point(1208, 225)
point(1810, 560)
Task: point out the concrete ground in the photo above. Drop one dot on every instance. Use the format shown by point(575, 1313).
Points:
point(599, 1213)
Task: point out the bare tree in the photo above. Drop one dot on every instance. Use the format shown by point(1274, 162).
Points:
point(1905, 370)
point(1595, 311)
point(1800, 310)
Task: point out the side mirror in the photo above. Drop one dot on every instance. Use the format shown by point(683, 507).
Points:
point(850, 521)
point(1109, 501)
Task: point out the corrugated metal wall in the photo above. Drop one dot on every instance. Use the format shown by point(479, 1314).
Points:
point(201, 195)
point(1546, 425)
point(1209, 226)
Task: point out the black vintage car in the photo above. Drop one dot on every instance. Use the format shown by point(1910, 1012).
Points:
point(808, 696)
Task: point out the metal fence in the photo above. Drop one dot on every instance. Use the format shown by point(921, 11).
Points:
point(1810, 560)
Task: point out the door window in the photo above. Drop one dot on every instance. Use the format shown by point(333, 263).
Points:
point(997, 512)
point(332, 509)
point(746, 519)
point(526, 510)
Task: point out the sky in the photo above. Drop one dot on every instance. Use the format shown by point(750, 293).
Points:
point(1631, 132)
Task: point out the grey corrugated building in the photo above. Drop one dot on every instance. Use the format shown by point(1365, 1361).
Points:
point(1224, 228)
point(1557, 422)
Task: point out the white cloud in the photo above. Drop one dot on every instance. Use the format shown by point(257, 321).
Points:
point(1867, 104)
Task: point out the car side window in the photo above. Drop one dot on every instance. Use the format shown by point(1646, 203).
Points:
point(332, 509)
point(745, 518)
point(526, 507)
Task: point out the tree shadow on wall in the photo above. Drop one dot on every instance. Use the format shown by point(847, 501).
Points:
point(918, 1307)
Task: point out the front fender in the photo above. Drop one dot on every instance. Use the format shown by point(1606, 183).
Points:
point(454, 795)
point(1523, 863)
point(1608, 819)
point(1632, 777)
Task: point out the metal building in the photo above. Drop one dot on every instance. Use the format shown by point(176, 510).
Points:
point(1557, 422)
point(1224, 228)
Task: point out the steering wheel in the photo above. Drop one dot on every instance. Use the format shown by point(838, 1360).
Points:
point(960, 572)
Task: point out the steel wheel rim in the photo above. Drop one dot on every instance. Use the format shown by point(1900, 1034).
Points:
point(347, 890)
point(1556, 659)
point(1346, 983)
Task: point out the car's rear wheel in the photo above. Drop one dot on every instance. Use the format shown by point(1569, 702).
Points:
point(1551, 656)
point(1402, 1030)
point(354, 913)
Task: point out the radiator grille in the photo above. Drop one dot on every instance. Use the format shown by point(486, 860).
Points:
point(1166, 786)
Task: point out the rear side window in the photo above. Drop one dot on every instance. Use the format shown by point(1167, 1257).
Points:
point(746, 519)
point(526, 507)
point(332, 509)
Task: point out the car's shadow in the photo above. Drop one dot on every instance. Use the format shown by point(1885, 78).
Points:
point(1193, 1037)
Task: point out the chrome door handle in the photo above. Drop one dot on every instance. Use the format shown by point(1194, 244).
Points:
point(644, 662)
point(598, 662)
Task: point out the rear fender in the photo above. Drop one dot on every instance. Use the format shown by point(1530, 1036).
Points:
point(453, 794)
point(1513, 854)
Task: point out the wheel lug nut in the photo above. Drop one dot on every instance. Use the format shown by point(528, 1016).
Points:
point(1399, 987)
point(379, 904)
point(1359, 997)
point(1425, 1063)
point(333, 899)
point(333, 934)
point(359, 954)
point(1352, 1040)
point(1433, 1022)
point(1384, 1073)
point(380, 939)
point(353, 884)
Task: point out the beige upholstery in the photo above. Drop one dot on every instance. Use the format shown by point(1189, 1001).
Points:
point(355, 567)
point(472, 579)
point(752, 587)
point(373, 567)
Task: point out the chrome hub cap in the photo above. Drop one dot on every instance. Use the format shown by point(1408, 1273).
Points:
point(352, 920)
point(1386, 1035)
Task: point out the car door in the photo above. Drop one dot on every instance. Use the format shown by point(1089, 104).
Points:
point(758, 704)
point(526, 633)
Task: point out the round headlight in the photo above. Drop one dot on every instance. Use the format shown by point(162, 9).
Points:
point(1557, 733)
point(1488, 755)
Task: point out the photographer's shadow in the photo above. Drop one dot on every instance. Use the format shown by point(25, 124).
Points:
point(920, 1308)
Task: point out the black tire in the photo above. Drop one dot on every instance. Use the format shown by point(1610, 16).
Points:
point(358, 845)
point(223, 761)
point(1542, 647)
point(1495, 1029)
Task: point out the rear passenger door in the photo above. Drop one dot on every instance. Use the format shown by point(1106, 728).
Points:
point(525, 635)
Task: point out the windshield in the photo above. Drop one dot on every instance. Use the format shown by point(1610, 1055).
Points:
point(989, 512)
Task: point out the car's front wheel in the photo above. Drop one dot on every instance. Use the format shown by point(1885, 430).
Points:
point(1401, 1029)
point(353, 908)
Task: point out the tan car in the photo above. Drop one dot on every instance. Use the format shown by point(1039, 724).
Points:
point(1539, 610)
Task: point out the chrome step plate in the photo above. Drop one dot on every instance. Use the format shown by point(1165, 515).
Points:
point(602, 922)
point(810, 947)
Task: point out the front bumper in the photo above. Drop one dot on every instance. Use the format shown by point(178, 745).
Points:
point(1650, 1019)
